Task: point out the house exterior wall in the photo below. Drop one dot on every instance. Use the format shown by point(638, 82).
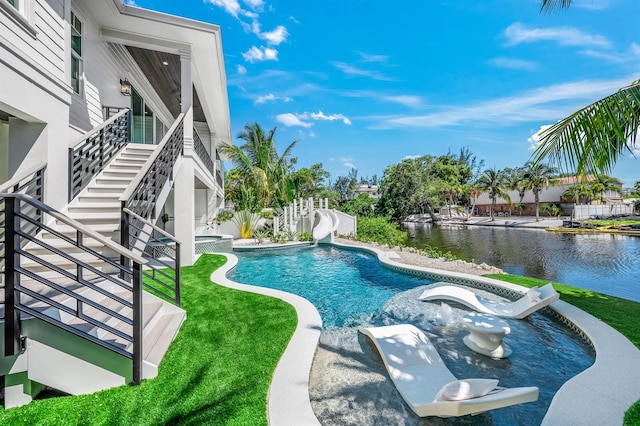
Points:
point(35, 92)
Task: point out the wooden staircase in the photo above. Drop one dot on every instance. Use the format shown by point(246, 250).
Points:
point(62, 348)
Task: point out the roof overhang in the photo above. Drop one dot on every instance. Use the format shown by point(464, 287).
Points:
point(147, 29)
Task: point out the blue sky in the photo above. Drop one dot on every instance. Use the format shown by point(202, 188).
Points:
point(366, 83)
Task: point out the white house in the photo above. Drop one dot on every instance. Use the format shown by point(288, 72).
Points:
point(113, 116)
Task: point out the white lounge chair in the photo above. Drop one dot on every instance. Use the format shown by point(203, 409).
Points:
point(428, 386)
point(535, 298)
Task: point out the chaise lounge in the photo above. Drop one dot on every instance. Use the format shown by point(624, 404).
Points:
point(534, 299)
point(427, 385)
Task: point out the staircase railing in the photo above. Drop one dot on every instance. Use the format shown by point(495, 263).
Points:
point(141, 197)
point(30, 183)
point(162, 274)
point(90, 154)
point(202, 152)
point(48, 291)
point(142, 194)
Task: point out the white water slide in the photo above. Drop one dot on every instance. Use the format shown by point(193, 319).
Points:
point(325, 223)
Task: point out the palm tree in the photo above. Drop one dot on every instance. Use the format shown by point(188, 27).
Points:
point(515, 181)
point(592, 139)
point(258, 164)
point(602, 184)
point(472, 191)
point(580, 193)
point(495, 183)
point(536, 178)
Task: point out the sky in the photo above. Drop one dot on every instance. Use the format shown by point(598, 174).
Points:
point(366, 83)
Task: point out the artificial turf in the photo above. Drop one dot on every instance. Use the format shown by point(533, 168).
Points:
point(216, 372)
point(620, 314)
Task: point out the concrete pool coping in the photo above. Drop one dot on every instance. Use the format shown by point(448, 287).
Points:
point(601, 394)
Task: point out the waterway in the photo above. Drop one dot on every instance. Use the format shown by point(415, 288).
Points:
point(606, 263)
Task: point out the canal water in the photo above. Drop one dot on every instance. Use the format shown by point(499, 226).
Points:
point(605, 263)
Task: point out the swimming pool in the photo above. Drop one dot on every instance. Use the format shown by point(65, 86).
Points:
point(351, 290)
point(345, 286)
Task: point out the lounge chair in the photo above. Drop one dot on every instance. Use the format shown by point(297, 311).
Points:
point(535, 298)
point(427, 385)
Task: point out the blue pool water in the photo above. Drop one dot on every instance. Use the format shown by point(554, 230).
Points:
point(344, 285)
point(351, 289)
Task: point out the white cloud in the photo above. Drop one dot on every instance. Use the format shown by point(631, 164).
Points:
point(591, 4)
point(241, 70)
point(348, 162)
point(294, 20)
point(632, 54)
point(411, 157)
point(291, 120)
point(515, 64)
point(564, 36)
point(259, 54)
point(351, 70)
point(232, 7)
point(254, 4)
point(406, 100)
point(270, 98)
point(549, 104)
point(321, 116)
point(534, 140)
point(367, 57)
point(276, 36)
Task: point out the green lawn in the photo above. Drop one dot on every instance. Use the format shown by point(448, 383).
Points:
point(217, 371)
point(620, 314)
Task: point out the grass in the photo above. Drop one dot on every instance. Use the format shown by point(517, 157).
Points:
point(620, 314)
point(217, 371)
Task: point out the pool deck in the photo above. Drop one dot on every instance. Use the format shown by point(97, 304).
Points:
point(599, 395)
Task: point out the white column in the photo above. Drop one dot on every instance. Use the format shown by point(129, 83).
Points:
point(184, 184)
point(184, 208)
point(326, 203)
point(284, 216)
point(295, 209)
point(310, 207)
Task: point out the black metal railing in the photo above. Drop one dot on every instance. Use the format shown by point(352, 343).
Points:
point(162, 274)
point(143, 193)
point(202, 151)
point(93, 151)
point(30, 183)
point(57, 274)
point(219, 179)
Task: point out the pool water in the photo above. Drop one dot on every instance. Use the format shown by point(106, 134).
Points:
point(348, 382)
point(345, 286)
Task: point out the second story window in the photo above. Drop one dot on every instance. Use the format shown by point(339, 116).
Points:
point(76, 53)
point(14, 3)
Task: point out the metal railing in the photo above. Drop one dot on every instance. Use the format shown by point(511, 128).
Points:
point(142, 195)
point(162, 275)
point(90, 154)
point(202, 151)
point(49, 281)
point(30, 183)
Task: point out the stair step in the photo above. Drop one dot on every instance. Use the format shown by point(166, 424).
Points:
point(102, 228)
point(100, 197)
point(61, 263)
point(119, 173)
point(124, 167)
point(115, 181)
point(157, 341)
point(106, 188)
point(95, 207)
point(131, 159)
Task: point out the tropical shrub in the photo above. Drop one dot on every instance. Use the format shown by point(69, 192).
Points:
point(381, 231)
point(246, 222)
point(305, 236)
point(223, 216)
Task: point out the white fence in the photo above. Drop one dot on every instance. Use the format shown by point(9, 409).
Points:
point(600, 211)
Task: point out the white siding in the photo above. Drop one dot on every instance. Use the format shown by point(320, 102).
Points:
point(45, 51)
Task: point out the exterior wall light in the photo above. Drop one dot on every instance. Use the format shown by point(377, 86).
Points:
point(125, 87)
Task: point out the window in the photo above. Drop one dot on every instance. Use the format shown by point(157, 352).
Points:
point(76, 53)
point(14, 3)
point(146, 127)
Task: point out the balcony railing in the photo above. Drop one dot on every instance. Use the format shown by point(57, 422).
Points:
point(202, 151)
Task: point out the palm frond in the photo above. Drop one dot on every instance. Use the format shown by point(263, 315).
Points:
point(593, 138)
point(549, 6)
